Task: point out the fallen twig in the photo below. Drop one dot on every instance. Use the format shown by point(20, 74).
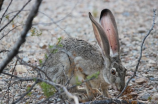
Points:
point(113, 101)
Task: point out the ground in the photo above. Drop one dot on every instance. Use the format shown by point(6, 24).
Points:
point(60, 18)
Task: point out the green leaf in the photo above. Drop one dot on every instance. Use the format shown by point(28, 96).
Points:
point(50, 46)
point(149, 98)
point(7, 17)
point(60, 45)
point(48, 90)
point(55, 51)
point(59, 39)
point(77, 81)
point(34, 79)
point(39, 33)
point(40, 62)
point(95, 75)
point(32, 31)
point(46, 57)
point(28, 88)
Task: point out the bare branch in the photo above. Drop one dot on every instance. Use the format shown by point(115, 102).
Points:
point(154, 15)
point(26, 93)
point(53, 22)
point(9, 84)
point(46, 81)
point(4, 51)
point(34, 67)
point(21, 40)
point(14, 16)
point(1, 3)
point(9, 32)
point(113, 101)
point(5, 11)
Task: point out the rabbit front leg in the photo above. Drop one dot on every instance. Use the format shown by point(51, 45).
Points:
point(104, 88)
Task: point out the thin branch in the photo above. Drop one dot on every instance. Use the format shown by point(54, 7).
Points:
point(1, 3)
point(21, 40)
point(5, 11)
point(154, 15)
point(46, 81)
point(11, 75)
point(34, 67)
point(107, 101)
point(9, 84)
point(14, 16)
point(25, 93)
point(9, 32)
point(4, 51)
point(53, 22)
point(113, 101)
point(59, 93)
point(67, 15)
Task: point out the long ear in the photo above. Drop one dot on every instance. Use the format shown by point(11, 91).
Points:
point(109, 25)
point(101, 37)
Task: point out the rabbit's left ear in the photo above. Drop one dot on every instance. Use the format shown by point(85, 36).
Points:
point(101, 38)
point(109, 26)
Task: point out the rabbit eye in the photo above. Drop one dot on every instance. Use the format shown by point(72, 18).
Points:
point(113, 72)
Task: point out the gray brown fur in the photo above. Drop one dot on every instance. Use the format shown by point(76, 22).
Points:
point(81, 59)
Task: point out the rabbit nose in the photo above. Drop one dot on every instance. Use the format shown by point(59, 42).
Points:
point(119, 87)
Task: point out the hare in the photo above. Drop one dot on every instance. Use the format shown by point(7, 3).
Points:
point(78, 59)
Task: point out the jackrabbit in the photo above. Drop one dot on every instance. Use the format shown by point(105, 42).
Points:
point(77, 59)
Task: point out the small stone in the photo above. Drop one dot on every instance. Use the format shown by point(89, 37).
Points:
point(32, 52)
point(2, 83)
point(153, 79)
point(133, 80)
point(134, 94)
point(75, 14)
point(43, 46)
point(126, 14)
point(29, 34)
point(154, 98)
point(26, 59)
point(68, 29)
point(21, 69)
point(136, 39)
point(120, 10)
point(144, 96)
point(1, 96)
point(155, 36)
point(151, 61)
point(141, 81)
point(154, 90)
point(141, 30)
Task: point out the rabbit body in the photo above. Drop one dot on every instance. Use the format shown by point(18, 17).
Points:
point(86, 60)
point(76, 59)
